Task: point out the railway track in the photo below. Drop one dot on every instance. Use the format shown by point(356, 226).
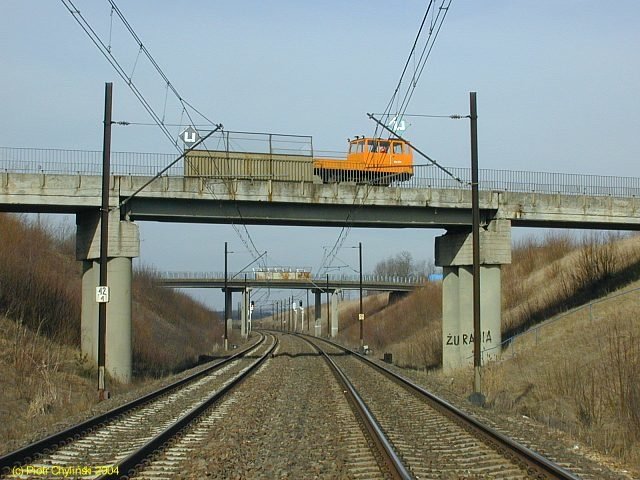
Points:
point(425, 437)
point(114, 444)
point(291, 419)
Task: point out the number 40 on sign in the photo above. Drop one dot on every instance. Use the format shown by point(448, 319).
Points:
point(102, 294)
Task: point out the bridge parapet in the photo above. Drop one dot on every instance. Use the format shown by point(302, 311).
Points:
point(89, 162)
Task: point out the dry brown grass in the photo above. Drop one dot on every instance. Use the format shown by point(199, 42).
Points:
point(43, 382)
point(580, 374)
point(410, 328)
point(546, 277)
point(44, 376)
point(170, 329)
point(349, 331)
point(559, 279)
point(39, 285)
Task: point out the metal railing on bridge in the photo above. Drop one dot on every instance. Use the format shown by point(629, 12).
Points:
point(86, 162)
point(318, 280)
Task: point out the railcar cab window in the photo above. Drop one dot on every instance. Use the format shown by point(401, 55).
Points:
point(357, 146)
point(378, 146)
point(397, 148)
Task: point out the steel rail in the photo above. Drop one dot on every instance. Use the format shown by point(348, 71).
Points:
point(25, 454)
point(531, 458)
point(384, 446)
point(128, 466)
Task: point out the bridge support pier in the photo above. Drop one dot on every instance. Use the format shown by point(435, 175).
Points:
point(317, 313)
point(124, 245)
point(228, 313)
point(244, 313)
point(335, 300)
point(454, 254)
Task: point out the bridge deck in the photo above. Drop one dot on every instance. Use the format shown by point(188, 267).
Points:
point(427, 201)
point(237, 282)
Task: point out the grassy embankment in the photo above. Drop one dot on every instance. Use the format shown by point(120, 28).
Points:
point(580, 374)
point(45, 378)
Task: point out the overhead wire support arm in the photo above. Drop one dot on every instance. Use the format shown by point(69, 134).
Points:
point(415, 148)
point(159, 174)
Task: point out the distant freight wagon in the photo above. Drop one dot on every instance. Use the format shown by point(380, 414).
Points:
point(374, 161)
point(282, 273)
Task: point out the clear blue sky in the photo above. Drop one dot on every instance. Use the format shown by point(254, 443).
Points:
point(556, 85)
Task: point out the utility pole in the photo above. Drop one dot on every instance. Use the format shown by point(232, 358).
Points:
point(226, 299)
point(294, 315)
point(328, 319)
point(104, 235)
point(361, 314)
point(245, 300)
point(308, 311)
point(475, 233)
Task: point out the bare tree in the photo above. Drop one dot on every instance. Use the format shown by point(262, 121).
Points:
point(403, 265)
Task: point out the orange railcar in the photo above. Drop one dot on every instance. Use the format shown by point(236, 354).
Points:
point(370, 160)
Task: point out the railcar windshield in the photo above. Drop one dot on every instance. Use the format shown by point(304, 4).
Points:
point(378, 146)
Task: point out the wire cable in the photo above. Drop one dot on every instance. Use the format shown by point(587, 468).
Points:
point(437, 19)
point(105, 49)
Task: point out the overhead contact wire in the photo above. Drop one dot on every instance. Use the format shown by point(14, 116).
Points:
point(106, 52)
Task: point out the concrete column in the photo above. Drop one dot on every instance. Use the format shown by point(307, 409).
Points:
point(454, 254)
point(450, 318)
point(318, 312)
point(118, 340)
point(491, 310)
point(124, 244)
point(89, 310)
point(250, 318)
point(464, 337)
point(335, 299)
point(228, 299)
point(244, 313)
point(118, 359)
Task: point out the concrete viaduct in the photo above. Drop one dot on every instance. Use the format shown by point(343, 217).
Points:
point(506, 199)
